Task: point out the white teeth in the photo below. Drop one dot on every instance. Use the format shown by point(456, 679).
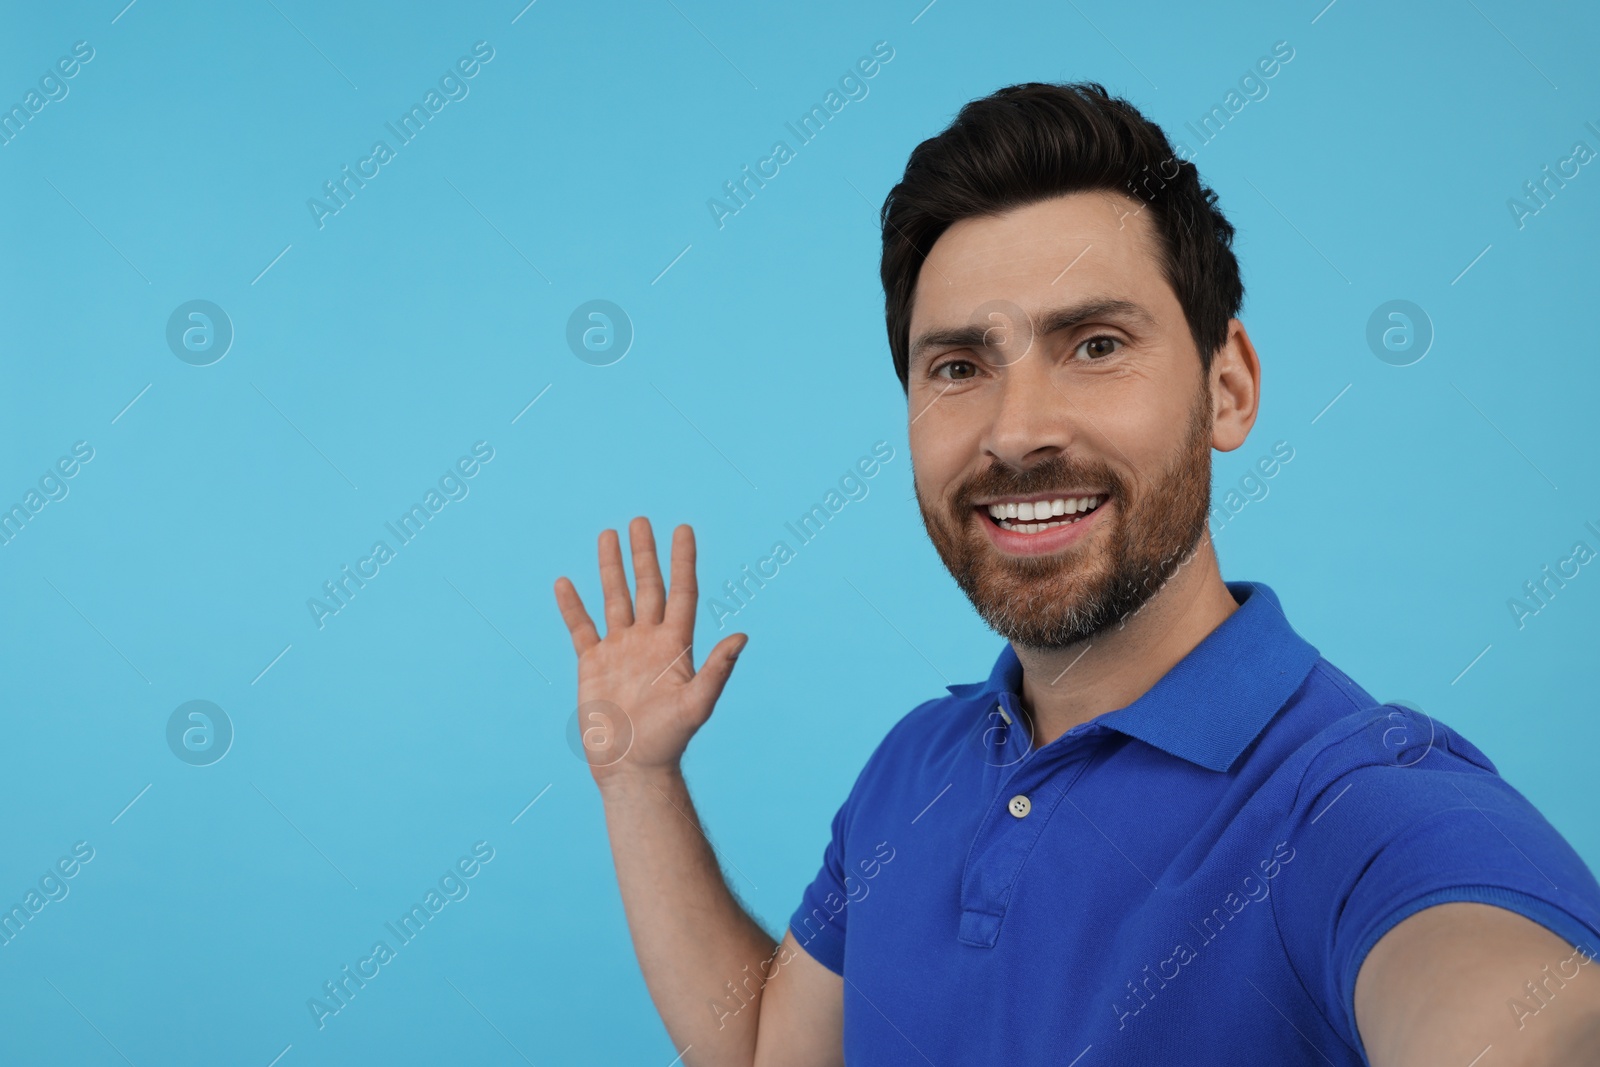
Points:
point(1031, 511)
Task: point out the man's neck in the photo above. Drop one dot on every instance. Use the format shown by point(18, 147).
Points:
point(1062, 688)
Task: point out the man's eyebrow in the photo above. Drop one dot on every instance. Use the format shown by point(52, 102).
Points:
point(1064, 318)
point(1068, 317)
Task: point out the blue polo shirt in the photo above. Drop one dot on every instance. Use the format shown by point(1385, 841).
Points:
point(1194, 878)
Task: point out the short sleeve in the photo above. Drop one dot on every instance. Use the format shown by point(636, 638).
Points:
point(1387, 826)
point(818, 923)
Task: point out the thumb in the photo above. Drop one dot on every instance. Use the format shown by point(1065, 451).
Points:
point(713, 674)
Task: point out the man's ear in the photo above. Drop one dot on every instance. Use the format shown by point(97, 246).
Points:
point(1235, 389)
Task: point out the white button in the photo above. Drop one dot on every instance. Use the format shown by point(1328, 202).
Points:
point(1020, 805)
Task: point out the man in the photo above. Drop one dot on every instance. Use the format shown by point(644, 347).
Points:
point(1165, 830)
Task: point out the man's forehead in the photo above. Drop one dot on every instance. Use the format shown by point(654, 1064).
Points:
point(1053, 250)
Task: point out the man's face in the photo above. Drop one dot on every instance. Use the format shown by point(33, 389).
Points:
point(1052, 372)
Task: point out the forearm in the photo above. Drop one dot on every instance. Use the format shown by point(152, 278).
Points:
point(702, 956)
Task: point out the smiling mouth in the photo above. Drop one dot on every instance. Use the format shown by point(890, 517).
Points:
point(1037, 516)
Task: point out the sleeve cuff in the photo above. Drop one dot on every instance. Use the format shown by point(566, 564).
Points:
point(815, 932)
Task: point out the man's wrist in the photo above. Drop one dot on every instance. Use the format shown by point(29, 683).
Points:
point(620, 782)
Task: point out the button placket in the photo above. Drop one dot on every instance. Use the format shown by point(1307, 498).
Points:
point(1005, 838)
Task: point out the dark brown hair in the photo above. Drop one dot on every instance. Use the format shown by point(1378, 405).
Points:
point(1031, 142)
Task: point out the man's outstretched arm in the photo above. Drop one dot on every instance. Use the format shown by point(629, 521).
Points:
point(1471, 983)
point(639, 695)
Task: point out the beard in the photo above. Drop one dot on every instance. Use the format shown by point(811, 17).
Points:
point(1052, 602)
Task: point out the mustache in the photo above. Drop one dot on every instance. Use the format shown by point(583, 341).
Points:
point(1058, 472)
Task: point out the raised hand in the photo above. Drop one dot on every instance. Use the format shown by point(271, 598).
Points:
point(644, 665)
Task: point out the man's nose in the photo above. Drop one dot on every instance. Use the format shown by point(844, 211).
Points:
point(1032, 420)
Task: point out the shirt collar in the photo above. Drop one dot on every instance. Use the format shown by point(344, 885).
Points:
point(1210, 706)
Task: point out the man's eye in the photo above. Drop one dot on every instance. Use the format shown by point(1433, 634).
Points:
point(956, 369)
point(1099, 347)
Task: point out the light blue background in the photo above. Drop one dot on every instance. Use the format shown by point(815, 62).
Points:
point(429, 312)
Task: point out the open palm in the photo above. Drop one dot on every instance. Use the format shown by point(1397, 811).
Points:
point(639, 697)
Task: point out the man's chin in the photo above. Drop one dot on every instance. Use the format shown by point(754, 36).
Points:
point(1044, 600)
point(1057, 608)
point(1057, 631)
